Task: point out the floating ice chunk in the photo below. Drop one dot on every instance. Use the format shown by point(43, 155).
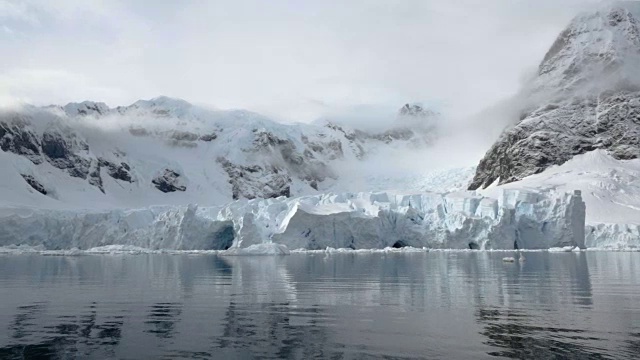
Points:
point(21, 249)
point(118, 249)
point(563, 249)
point(258, 249)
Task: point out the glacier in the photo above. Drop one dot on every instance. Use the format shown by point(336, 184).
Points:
point(610, 189)
point(515, 218)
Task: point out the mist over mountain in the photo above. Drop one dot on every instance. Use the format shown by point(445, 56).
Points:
point(584, 97)
point(166, 150)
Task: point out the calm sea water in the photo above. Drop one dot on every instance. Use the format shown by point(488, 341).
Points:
point(339, 306)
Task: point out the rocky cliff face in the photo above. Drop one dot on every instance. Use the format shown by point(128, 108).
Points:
point(585, 97)
point(169, 148)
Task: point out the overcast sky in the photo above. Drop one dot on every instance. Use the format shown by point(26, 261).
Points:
point(295, 60)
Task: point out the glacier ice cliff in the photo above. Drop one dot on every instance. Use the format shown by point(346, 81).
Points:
point(459, 220)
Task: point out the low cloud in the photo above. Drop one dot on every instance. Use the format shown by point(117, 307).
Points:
point(282, 58)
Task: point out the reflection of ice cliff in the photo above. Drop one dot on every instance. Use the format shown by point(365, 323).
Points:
point(211, 306)
point(514, 218)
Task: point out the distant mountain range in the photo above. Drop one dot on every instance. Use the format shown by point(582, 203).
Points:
point(167, 150)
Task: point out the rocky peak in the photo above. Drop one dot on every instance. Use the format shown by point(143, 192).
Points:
point(86, 108)
point(603, 45)
point(160, 106)
point(414, 110)
point(586, 97)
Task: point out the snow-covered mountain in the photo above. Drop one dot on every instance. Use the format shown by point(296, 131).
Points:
point(576, 142)
point(610, 189)
point(168, 151)
point(586, 96)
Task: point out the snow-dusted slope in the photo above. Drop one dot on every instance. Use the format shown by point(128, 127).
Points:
point(168, 151)
point(585, 97)
point(610, 189)
point(581, 111)
point(521, 219)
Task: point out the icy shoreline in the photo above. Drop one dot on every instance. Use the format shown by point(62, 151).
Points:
point(124, 250)
point(461, 220)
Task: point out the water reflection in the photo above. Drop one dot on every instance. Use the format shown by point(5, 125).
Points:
point(162, 319)
point(456, 305)
point(35, 336)
point(509, 332)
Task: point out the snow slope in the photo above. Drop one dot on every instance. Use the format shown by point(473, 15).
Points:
point(585, 97)
point(167, 151)
point(610, 189)
point(579, 125)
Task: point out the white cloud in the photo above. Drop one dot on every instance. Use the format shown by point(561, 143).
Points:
point(291, 59)
point(46, 86)
point(7, 30)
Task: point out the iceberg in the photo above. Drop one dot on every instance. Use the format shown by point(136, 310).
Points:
point(515, 218)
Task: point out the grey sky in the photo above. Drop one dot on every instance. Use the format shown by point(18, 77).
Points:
point(295, 60)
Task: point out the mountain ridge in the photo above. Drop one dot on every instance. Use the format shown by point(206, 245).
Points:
point(170, 151)
point(586, 97)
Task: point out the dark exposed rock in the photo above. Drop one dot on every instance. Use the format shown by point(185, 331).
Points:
point(183, 136)
point(35, 184)
point(255, 181)
point(54, 146)
point(581, 103)
point(264, 139)
point(138, 131)
point(553, 136)
point(62, 151)
point(208, 137)
point(168, 182)
point(117, 171)
point(400, 133)
point(303, 165)
point(16, 137)
point(182, 143)
point(333, 148)
point(415, 110)
point(95, 178)
point(86, 108)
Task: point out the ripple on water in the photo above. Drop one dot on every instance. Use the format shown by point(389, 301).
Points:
point(436, 304)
